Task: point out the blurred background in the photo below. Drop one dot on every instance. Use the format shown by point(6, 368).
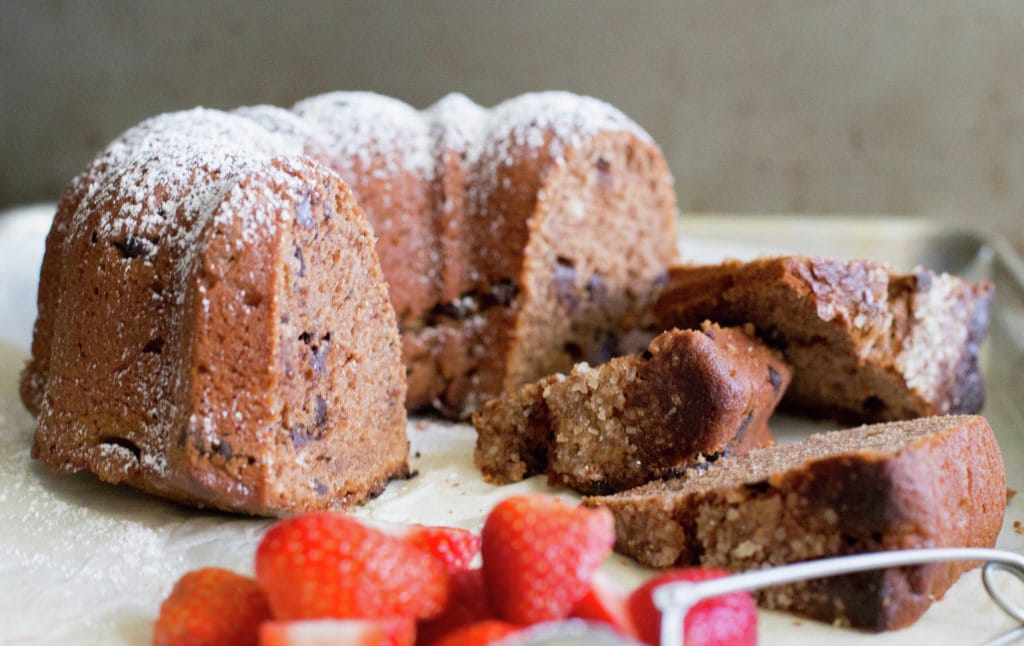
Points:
point(769, 106)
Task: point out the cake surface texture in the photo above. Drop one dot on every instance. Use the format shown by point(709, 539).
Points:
point(692, 396)
point(930, 482)
point(214, 326)
point(866, 344)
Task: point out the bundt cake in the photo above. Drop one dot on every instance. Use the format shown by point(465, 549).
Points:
point(516, 241)
point(930, 482)
point(212, 318)
point(214, 325)
point(693, 396)
point(865, 343)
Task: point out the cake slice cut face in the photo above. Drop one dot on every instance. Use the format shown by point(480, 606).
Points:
point(693, 396)
point(930, 482)
point(866, 344)
point(516, 240)
point(225, 333)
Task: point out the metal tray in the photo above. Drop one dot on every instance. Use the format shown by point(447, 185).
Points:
point(83, 562)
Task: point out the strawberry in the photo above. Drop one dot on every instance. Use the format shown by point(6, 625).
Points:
point(329, 632)
point(452, 546)
point(467, 604)
point(211, 606)
point(729, 620)
point(607, 601)
point(479, 634)
point(328, 565)
point(539, 554)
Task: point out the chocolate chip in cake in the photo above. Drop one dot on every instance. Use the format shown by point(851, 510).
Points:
point(154, 346)
point(604, 176)
point(222, 448)
point(597, 290)
point(134, 247)
point(304, 213)
point(302, 262)
point(563, 283)
point(742, 430)
point(318, 356)
point(320, 411)
point(775, 379)
point(300, 437)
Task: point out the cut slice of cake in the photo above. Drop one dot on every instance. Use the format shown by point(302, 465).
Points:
point(692, 396)
point(866, 343)
point(930, 482)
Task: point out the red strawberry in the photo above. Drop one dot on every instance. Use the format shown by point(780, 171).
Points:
point(211, 606)
point(479, 634)
point(328, 565)
point(329, 632)
point(467, 604)
point(452, 546)
point(539, 554)
point(607, 601)
point(729, 620)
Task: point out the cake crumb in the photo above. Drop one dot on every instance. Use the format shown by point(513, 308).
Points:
point(1018, 527)
point(1010, 493)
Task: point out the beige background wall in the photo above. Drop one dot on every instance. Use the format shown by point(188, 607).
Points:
point(902, 107)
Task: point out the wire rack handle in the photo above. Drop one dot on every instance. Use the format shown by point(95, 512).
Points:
point(675, 599)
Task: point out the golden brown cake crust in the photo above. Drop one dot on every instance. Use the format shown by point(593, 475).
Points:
point(692, 396)
point(865, 343)
point(196, 339)
point(930, 482)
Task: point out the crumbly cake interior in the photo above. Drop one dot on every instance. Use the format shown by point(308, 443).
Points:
point(341, 391)
point(760, 464)
point(889, 486)
point(592, 271)
point(692, 396)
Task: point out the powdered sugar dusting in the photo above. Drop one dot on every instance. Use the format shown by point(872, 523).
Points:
point(569, 119)
point(364, 128)
point(459, 125)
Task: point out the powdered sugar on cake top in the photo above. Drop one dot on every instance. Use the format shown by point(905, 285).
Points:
point(364, 128)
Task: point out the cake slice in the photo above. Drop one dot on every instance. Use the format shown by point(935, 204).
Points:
point(692, 396)
point(866, 343)
point(930, 482)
